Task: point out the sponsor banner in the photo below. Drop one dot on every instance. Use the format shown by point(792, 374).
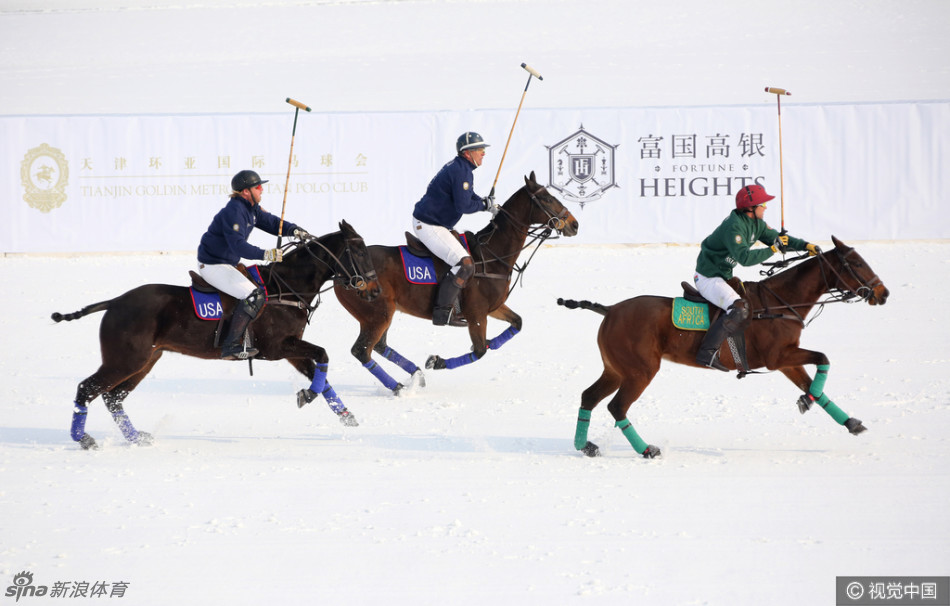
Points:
point(630, 175)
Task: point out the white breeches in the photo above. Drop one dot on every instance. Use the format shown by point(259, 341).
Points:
point(440, 242)
point(227, 278)
point(716, 290)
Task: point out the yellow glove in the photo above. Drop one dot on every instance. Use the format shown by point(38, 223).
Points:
point(812, 249)
point(781, 244)
point(274, 255)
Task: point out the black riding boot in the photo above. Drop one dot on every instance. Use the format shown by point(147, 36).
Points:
point(233, 346)
point(730, 323)
point(446, 300)
point(708, 354)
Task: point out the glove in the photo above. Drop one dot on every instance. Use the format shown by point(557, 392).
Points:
point(812, 249)
point(781, 244)
point(302, 234)
point(490, 205)
point(274, 255)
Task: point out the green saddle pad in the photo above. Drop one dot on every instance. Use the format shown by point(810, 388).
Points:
point(688, 315)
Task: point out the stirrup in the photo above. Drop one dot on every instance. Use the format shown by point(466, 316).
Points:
point(445, 316)
point(238, 352)
point(713, 362)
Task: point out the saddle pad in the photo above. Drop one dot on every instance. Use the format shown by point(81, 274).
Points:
point(689, 315)
point(421, 270)
point(207, 305)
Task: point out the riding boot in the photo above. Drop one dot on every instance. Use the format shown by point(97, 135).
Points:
point(727, 324)
point(233, 346)
point(708, 354)
point(446, 303)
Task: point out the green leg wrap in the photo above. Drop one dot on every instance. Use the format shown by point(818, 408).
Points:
point(632, 436)
point(817, 386)
point(831, 408)
point(583, 424)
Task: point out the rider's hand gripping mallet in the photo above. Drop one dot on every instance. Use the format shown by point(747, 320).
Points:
point(531, 72)
point(778, 92)
point(297, 107)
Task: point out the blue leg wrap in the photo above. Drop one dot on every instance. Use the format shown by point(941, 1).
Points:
point(78, 428)
point(319, 378)
point(125, 426)
point(460, 361)
point(383, 377)
point(333, 400)
point(396, 358)
point(503, 338)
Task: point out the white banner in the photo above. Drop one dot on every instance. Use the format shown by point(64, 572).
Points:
point(630, 175)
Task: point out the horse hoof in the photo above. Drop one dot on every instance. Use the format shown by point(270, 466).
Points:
point(805, 403)
point(305, 396)
point(87, 442)
point(435, 363)
point(855, 426)
point(347, 419)
point(418, 378)
point(591, 450)
point(651, 452)
point(143, 439)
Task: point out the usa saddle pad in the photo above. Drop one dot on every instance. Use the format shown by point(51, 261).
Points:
point(421, 270)
point(208, 304)
point(689, 315)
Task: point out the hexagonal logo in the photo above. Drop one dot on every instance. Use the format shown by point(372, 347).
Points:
point(581, 167)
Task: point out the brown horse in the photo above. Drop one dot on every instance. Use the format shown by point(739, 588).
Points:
point(495, 250)
point(638, 333)
point(142, 324)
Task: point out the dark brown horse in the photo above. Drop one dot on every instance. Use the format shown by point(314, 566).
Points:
point(142, 324)
point(495, 250)
point(638, 333)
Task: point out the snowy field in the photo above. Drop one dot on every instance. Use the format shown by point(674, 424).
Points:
point(469, 491)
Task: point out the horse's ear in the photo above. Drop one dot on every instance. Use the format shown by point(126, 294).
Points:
point(838, 243)
point(344, 226)
point(533, 180)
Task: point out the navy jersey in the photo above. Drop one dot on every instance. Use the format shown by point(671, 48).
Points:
point(450, 194)
point(226, 238)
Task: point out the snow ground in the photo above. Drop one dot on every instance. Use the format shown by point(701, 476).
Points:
point(469, 490)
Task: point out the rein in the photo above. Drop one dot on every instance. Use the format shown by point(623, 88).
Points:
point(538, 235)
point(353, 280)
point(836, 292)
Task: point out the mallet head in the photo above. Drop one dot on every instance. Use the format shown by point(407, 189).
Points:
point(776, 91)
point(532, 71)
point(298, 104)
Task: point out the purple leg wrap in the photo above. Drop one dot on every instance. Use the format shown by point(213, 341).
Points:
point(125, 426)
point(319, 378)
point(396, 358)
point(78, 428)
point(502, 338)
point(333, 400)
point(384, 378)
point(460, 361)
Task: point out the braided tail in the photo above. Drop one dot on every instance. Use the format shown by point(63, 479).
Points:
point(85, 311)
point(595, 307)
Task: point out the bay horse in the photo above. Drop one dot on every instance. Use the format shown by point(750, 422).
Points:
point(142, 324)
point(495, 250)
point(636, 334)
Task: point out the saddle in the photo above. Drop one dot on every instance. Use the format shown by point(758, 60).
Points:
point(419, 249)
point(736, 343)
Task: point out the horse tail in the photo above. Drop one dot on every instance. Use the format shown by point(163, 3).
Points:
point(85, 311)
point(572, 304)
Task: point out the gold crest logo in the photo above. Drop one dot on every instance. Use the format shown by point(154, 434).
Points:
point(738, 239)
point(44, 174)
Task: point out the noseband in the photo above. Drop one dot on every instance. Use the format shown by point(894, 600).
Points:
point(864, 292)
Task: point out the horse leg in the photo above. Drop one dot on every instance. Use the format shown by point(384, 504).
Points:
point(362, 350)
point(602, 387)
point(313, 362)
point(415, 373)
point(477, 332)
point(505, 313)
point(115, 397)
point(815, 388)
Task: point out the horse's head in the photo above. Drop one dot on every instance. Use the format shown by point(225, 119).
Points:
point(854, 276)
point(356, 269)
point(548, 210)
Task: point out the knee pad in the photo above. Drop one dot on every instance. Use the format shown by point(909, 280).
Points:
point(464, 271)
point(254, 302)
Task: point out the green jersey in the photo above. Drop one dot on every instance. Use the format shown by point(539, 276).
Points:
point(731, 245)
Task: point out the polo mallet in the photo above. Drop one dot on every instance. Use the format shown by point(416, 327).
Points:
point(297, 107)
point(778, 92)
point(531, 72)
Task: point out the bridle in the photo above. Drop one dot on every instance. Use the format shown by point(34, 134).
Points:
point(864, 292)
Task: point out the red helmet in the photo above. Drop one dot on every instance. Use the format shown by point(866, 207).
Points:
point(751, 195)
